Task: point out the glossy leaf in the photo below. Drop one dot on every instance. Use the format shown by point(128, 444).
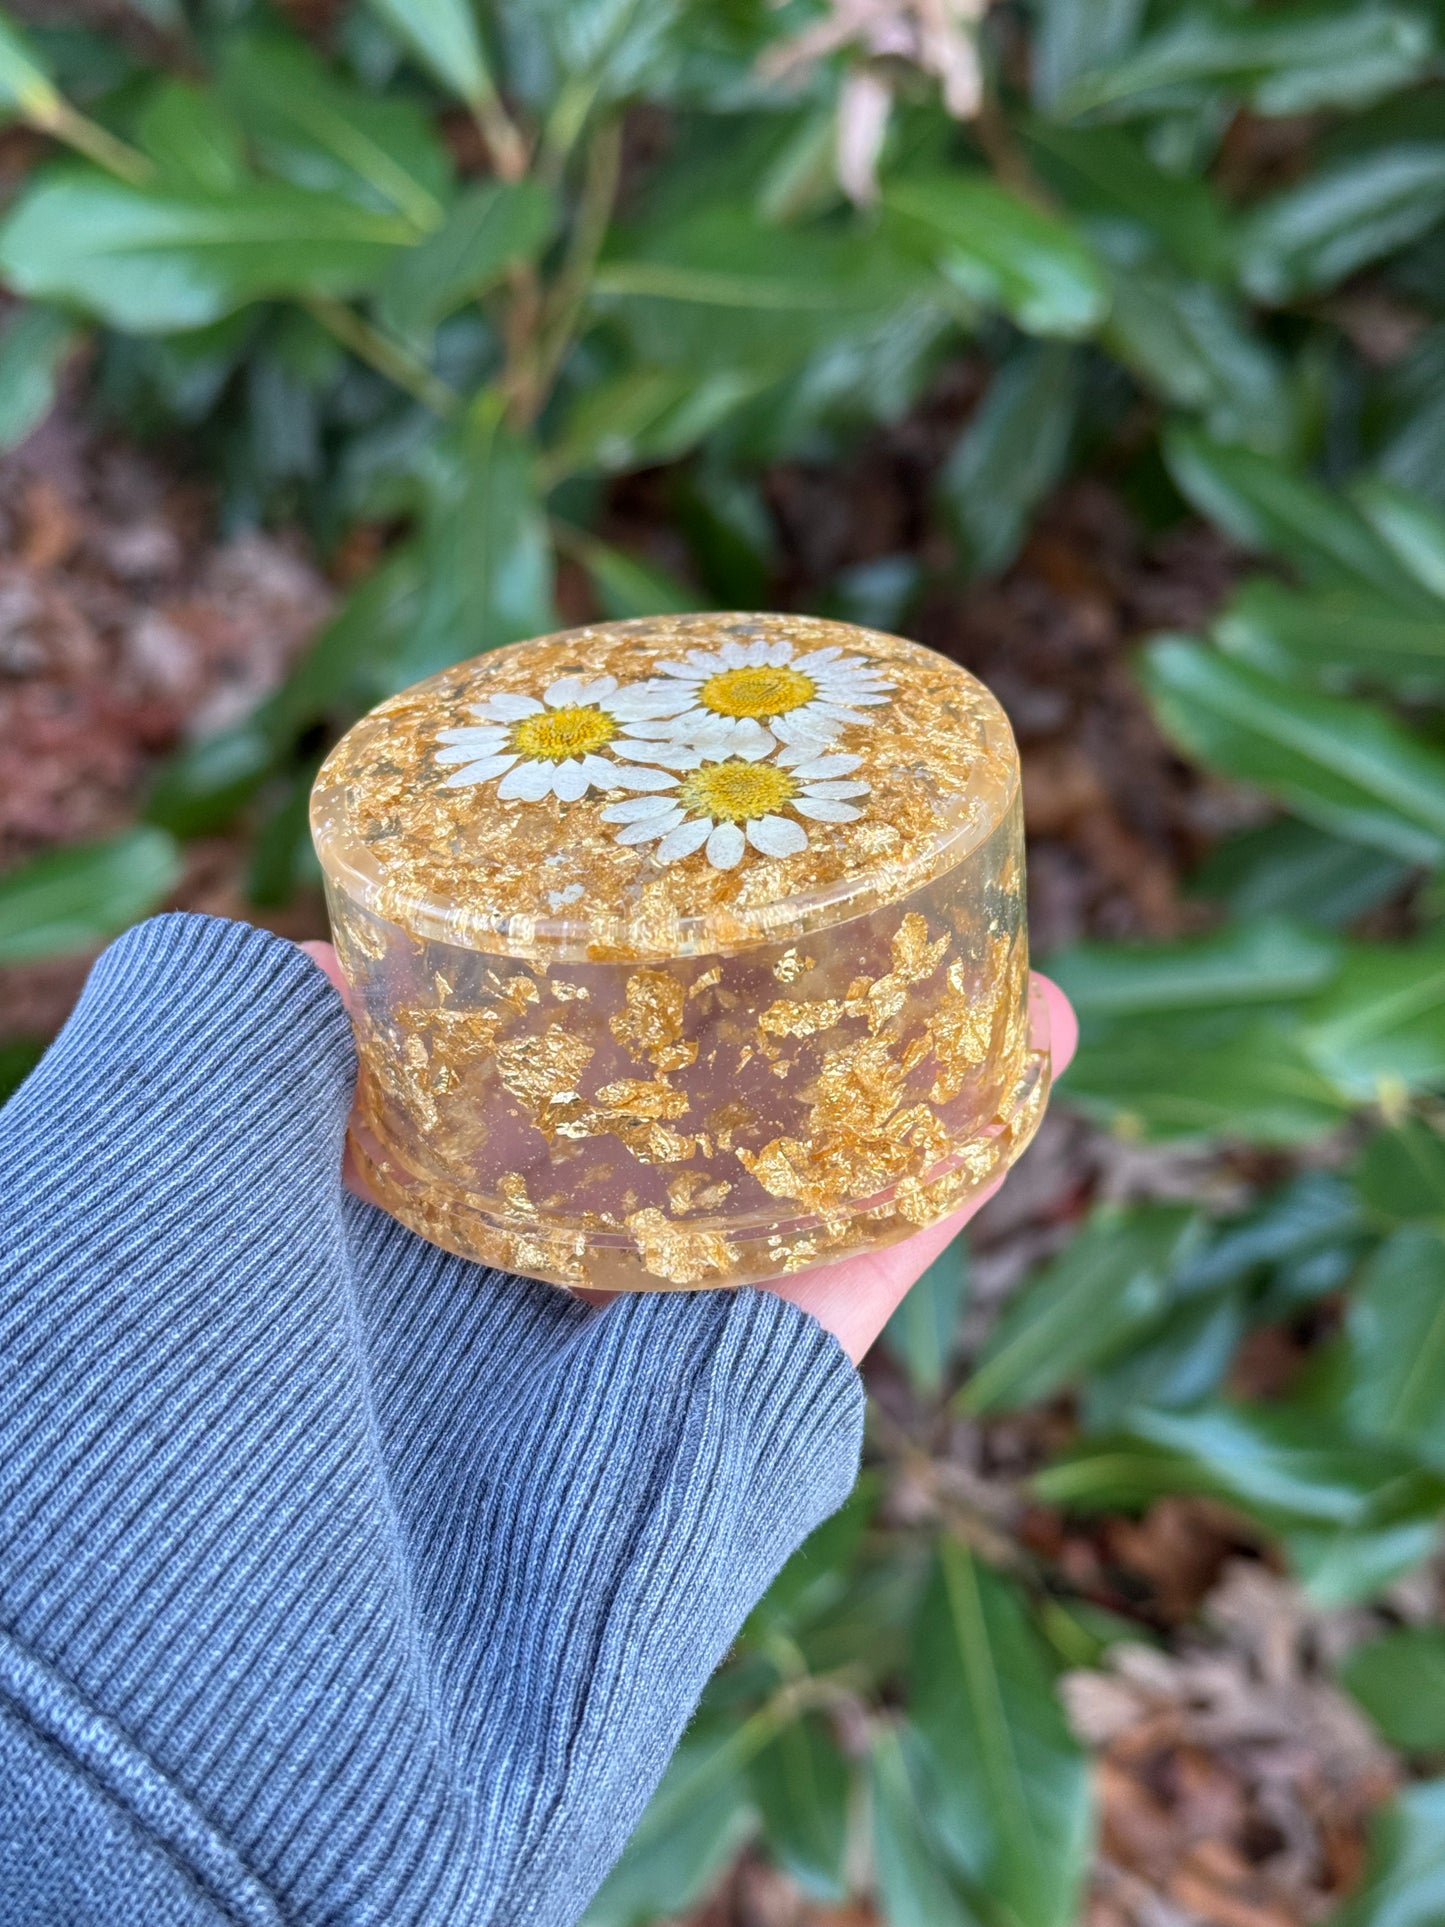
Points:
point(1192, 345)
point(1344, 765)
point(1336, 637)
point(1010, 456)
point(74, 898)
point(1267, 506)
point(444, 37)
point(1072, 40)
point(1404, 1879)
point(816, 1575)
point(317, 131)
point(1401, 1172)
point(488, 230)
point(1107, 175)
point(193, 139)
point(1300, 872)
point(27, 87)
point(33, 349)
point(1009, 1788)
point(627, 587)
point(1399, 1679)
point(1340, 218)
point(154, 260)
point(1410, 524)
point(914, 1887)
point(922, 1335)
point(1247, 963)
point(1397, 1342)
point(1109, 1284)
point(1381, 1025)
point(1003, 252)
point(801, 1785)
point(1347, 1565)
point(485, 558)
point(645, 415)
point(1182, 1360)
point(1285, 60)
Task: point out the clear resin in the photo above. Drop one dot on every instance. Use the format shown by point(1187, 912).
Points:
point(684, 952)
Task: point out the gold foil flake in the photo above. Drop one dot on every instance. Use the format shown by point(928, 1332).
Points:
point(642, 1097)
point(790, 966)
point(650, 1024)
point(727, 1120)
point(543, 1070)
point(784, 1019)
point(705, 981)
point(514, 1190)
point(566, 993)
point(695, 1191)
point(682, 1257)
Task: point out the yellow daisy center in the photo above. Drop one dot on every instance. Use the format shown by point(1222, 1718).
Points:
point(757, 692)
point(557, 734)
point(736, 792)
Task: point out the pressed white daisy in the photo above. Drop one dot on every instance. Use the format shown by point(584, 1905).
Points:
point(546, 747)
point(726, 802)
point(721, 694)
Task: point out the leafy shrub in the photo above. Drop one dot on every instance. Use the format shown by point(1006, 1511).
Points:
point(449, 276)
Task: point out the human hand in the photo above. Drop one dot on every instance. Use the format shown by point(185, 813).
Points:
point(855, 1299)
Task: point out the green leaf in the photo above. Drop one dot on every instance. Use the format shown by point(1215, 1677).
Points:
point(1410, 524)
point(75, 898)
point(192, 138)
point(1238, 1077)
point(1284, 60)
point(696, 1822)
point(443, 36)
point(1070, 40)
point(26, 86)
point(913, 1885)
point(1010, 1794)
point(625, 586)
point(1193, 346)
point(1246, 963)
point(1267, 507)
point(1301, 872)
point(155, 260)
point(800, 1785)
point(1344, 765)
point(1108, 1285)
point(319, 132)
point(1340, 218)
point(643, 416)
point(1397, 1342)
point(33, 349)
point(1314, 1216)
point(815, 1578)
point(922, 1335)
point(1108, 176)
point(1399, 1679)
point(1003, 252)
point(1381, 1024)
point(1181, 1361)
point(489, 229)
point(1010, 456)
point(1404, 1883)
point(1401, 1172)
point(485, 557)
point(1347, 1565)
point(1336, 636)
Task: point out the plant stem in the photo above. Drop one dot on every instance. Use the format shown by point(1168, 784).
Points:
point(88, 137)
point(504, 140)
point(387, 356)
point(569, 291)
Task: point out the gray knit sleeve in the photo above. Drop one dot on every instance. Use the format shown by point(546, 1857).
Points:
point(342, 1580)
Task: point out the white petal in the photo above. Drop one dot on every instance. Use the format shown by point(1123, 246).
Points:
point(751, 741)
point(469, 752)
point(734, 655)
point(643, 702)
point(707, 660)
point(806, 728)
point(757, 654)
point(632, 776)
point(653, 730)
point(670, 755)
point(687, 837)
point(530, 781)
point(777, 836)
point(691, 671)
point(826, 812)
point(835, 792)
point(571, 781)
point(725, 846)
point(646, 832)
point(816, 659)
point(842, 764)
point(837, 713)
point(482, 772)
point(486, 736)
point(511, 709)
point(598, 689)
point(639, 809)
point(780, 653)
point(563, 693)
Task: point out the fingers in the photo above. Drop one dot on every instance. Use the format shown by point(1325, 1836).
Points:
point(854, 1300)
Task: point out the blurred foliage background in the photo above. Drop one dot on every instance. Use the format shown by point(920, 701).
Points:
point(1098, 342)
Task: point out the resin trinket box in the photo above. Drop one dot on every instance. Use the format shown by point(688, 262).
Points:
point(683, 952)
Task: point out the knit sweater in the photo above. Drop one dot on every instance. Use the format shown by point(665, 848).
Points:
point(341, 1581)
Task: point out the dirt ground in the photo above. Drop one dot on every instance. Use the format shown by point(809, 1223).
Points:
point(1233, 1779)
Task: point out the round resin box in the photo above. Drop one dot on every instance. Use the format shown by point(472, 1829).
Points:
point(683, 952)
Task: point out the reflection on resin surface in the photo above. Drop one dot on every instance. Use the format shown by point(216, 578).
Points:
point(683, 952)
